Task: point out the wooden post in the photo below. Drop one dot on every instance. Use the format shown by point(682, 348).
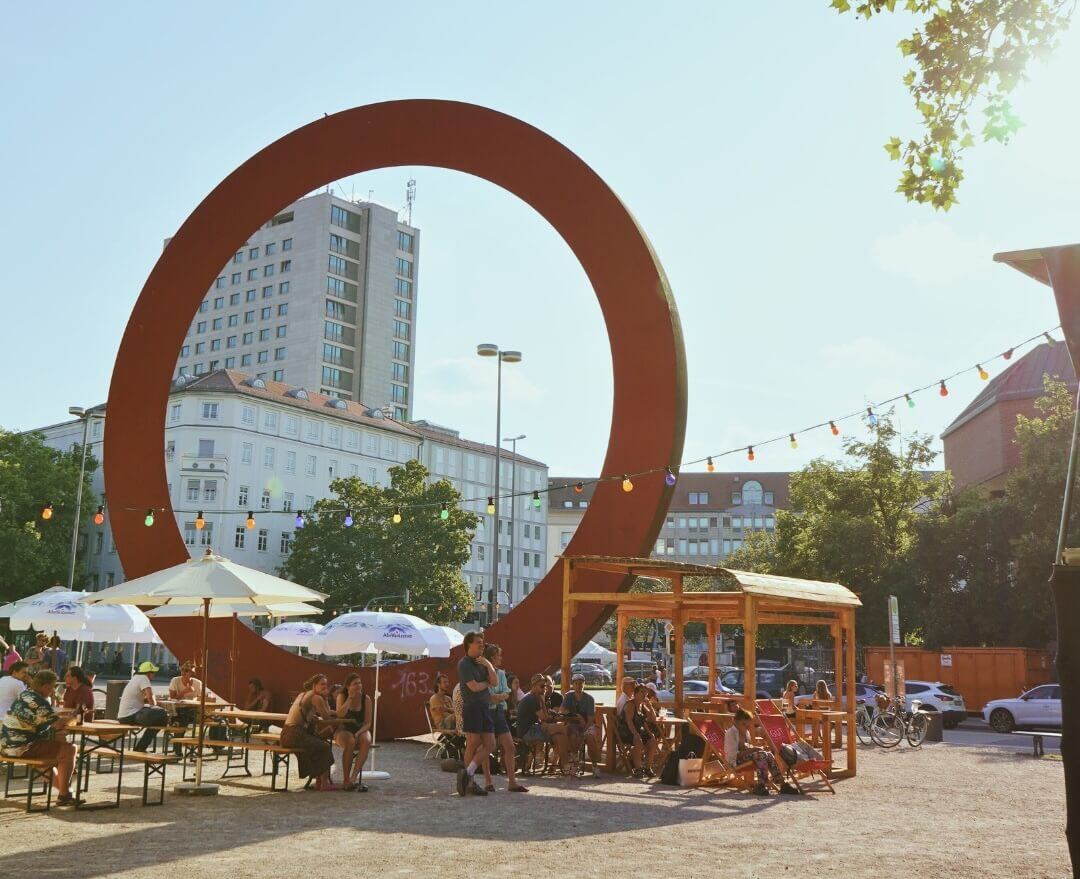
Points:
point(568, 608)
point(677, 642)
point(620, 635)
point(837, 629)
point(749, 650)
point(710, 633)
point(849, 665)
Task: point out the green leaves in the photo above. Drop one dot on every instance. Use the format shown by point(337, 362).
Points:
point(966, 54)
point(378, 557)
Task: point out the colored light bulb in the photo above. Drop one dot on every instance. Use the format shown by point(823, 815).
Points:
point(794, 442)
point(669, 477)
point(396, 518)
point(46, 512)
point(250, 520)
point(749, 453)
point(579, 487)
point(536, 500)
point(944, 391)
point(835, 430)
point(299, 520)
point(983, 374)
point(99, 516)
point(149, 520)
point(1049, 338)
point(709, 465)
point(444, 513)
point(200, 522)
point(491, 505)
point(348, 519)
point(627, 485)
point(871, 418)
point(910, 402)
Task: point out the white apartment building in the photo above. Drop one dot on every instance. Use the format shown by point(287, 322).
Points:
point(522, 524)
point(322, 296)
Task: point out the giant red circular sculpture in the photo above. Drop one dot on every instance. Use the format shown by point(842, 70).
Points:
point(649, 406)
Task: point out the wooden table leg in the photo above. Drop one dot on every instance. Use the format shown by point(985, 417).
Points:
point(826, 743)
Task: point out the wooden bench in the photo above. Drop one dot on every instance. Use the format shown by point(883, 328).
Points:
point(279, 756)
point(37, 770)
point(153, 764)
point(1037, 739)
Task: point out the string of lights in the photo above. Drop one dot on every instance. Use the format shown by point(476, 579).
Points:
point(395, 511)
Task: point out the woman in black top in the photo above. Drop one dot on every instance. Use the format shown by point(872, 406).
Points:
point(354, 705)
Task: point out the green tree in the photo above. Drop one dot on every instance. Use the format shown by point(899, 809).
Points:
point(966, 55)
point(376, 556)
point(855, 524)
point(36, 551)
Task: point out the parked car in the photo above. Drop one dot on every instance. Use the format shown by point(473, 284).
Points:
point(691, 688)
point(770, 681)
point(642, 671)
point(594, 674)
point(1037, 707)
point(864, 695)
point(936, 696)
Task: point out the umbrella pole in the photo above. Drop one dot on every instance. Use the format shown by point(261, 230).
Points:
point(375, 712)
point(202, 695)
point(232, 663)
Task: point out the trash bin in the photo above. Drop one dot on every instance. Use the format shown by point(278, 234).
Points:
point(934, 733)
point(113, 692)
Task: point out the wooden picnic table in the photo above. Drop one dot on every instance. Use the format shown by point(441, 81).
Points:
point(828, 719)
point(244, 714)
point(97, 739)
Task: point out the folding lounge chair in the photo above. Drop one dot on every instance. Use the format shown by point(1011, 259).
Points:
point(715, 769)
point(778, 732)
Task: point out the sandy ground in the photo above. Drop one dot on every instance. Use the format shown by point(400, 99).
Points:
point(937, 811)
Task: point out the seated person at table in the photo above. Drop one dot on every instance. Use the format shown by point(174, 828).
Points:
point(188, 687)
point(33, 729)
point(354, 738)
point(787, 698)
point(627, 693)
point(581, 721)
point(137, 706)
point(552, 697)
point(738, 748)
point(258, 697)
point(441, 705)
point(13, 683)
point(632, 728)
point(535, 725)
point(516, 693)
point(78, 695)
point(309, 710)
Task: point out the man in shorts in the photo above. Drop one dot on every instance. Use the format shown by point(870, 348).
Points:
point(33, 729)
point(535, 726)
point(476, 676)
point(581, 721)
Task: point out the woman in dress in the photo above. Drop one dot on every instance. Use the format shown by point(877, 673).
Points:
point(308, 709)
point(354, 707)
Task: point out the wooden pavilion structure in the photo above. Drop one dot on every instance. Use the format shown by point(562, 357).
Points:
point(745, 599)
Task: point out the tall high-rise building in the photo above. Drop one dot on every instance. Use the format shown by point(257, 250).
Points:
point(322, 296)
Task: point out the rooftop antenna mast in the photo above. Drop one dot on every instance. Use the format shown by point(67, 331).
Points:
point(410, 198)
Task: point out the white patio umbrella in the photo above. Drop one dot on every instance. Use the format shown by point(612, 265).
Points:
point(297, 633)
point(8, 609)
point(205, 582)
point(380, 632)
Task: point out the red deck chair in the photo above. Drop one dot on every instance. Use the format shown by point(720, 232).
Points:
point(715, 768)
point(778, 732)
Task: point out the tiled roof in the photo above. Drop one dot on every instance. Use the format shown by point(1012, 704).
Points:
point(230, 381)
point(1023, 380)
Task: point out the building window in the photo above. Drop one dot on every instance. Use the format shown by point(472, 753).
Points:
point(238, 257)
point(398, 393)
point(193, 488)
point(263, 534)
point(185, 351)
point(219, 283)
point(279, 375)
point(190, 532)
point(174, 412)
point(283, 309)
point(401, 329)
point(210, 490)
point(252, 274)
point(268, 270)
point(249, 296)
point(249, 317)
point(290, 462)
point(736, 498)
point(270, 421)
point(247, 414)
point(242, 496)
point(248, 338)
point(246, 451)
point(270, 249)
point(268, 457)
point(402, 308)
point(768, 499)
point(219, 302)
point(268, 292)
point(309, 465)
point(280, 353)
point(238, 538)
point(264, 335)
point(404, 267)
point(253, 253)
point(281, 331)
point(230, 342)
point(287, 502)
point(286, 244)
point(200, 347)
point(401, 351)
point(264, 501)
point(245, 360)
point(751, 492)
point(234, 319)
point(405, 241)
point(234, 299)
point(286, 542)
point(210, 411)
point(230, 362)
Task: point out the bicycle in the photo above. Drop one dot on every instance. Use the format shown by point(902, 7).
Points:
point(863, 719)
point(891, 726)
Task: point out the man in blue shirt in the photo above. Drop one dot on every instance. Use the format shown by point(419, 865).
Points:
point(476, 676)
point(581, 723)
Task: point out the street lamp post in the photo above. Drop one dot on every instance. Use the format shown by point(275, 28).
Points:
point(85, 417)
point(513, 440)
point(489, 350)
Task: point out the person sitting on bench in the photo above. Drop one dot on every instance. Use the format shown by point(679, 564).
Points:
point(441, 706)
point(33, 730)
point(137, 706)
point(188, 687)
point(535, 725)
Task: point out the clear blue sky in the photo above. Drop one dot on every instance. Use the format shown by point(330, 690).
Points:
point(745, 138)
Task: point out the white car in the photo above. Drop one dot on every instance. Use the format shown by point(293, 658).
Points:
point(692, 688)
point(1040, 706)
point(936, 696)
point(864, 695)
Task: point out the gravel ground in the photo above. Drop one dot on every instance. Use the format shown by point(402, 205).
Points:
point(938, 811)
